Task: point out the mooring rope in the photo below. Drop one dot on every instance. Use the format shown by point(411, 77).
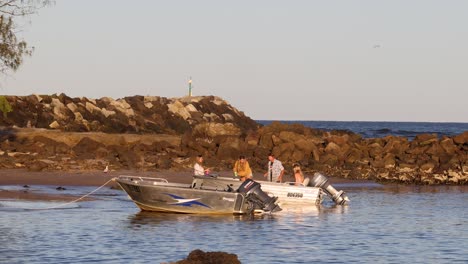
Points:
point(74, 201)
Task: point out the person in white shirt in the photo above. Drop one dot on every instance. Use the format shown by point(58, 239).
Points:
point(275, 169)
point(198, 168)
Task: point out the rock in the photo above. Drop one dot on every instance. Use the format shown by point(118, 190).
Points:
point(307, 145)
point(297, 156)
point(252, 139)
point(427, 167)
point(164, 163)
point(72, 106)
point(289, 136)
point(332, 148)
point(389, 161)
point(107, 113)
point(216, 129)
point(375, 150)
point(396, 145)
point(179, 109)
point(440, 178)
point(448, 145)
point(122, 106)
point(37, 166)
point(405, 167)
point(461, 139)
point(191, 108)
point(54, 125)
point(228, 117)
point(276, 140)
point(425, 139)
point(340, 140)
point(200, 257)
point(353, 156)
point(86, 148)
point(405, 177)
point(58, 108)
point(453, 176)
point(286, 147)
point(92, 108)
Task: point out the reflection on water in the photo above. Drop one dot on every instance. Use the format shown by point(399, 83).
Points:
point(384, 223)
point(298, 212)
point(24, 205)
point(154, 218)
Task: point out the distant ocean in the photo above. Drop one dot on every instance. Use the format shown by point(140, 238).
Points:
point(382, 129)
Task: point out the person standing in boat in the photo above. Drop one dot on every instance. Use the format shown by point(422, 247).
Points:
point(275, 169)
point(242, 169)
point(198, 168)
point(298, 175)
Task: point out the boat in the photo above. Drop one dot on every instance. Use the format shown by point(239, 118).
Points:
point(159, 195)
point(311, 192)
point(212, 194)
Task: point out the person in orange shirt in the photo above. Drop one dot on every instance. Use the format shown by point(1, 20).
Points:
point(242, 169)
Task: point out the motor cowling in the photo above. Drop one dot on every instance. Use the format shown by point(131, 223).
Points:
point(253, 192)
point(321, 181)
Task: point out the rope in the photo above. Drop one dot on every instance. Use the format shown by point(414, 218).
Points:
point(74, 201)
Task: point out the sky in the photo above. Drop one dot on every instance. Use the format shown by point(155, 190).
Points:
point(274, 60)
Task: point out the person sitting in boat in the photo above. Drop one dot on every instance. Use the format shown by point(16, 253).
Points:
point(242, 169)
point(275, 169)
point(298, 175)
point(198, 168)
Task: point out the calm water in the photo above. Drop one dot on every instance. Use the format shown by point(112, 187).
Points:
point(383, 224)
point(382, 129)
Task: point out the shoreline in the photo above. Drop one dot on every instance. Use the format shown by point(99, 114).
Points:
point(22, 177)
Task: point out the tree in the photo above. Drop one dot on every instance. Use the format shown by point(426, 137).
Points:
point(5, 107)
point(13, 50)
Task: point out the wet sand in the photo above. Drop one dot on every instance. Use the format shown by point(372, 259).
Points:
point(25, 179)
point(79, 178)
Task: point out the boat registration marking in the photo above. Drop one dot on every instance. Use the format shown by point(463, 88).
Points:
point(228, 199)
point(295, 194)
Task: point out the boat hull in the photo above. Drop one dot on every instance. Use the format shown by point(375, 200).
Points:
point(287, 194)
point(160, 196)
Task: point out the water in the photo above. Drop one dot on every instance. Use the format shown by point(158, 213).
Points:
point(382, 129)
point(383, 224)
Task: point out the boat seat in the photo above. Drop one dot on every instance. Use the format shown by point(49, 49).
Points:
point(306, 181)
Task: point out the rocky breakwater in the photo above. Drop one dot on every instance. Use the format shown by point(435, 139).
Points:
point(56, 132)
point(425, 160)
point(135, 114)
point(151, 133)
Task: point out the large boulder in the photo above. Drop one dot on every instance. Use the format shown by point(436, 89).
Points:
point(461, 139)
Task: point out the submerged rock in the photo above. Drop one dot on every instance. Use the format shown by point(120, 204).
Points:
point(200, 257)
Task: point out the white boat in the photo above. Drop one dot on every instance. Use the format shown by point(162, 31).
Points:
point(311, 192)
point(157, 194)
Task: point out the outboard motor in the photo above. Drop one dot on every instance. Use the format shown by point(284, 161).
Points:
point(252, 191)
point(339, 197)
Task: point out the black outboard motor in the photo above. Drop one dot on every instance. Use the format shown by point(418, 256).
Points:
point(339, 197)
point(252, 191)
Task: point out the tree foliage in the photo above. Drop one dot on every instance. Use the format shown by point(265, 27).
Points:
point(5, 106)
point(12, 50)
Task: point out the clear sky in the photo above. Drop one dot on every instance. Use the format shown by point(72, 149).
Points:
point(279, 60)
